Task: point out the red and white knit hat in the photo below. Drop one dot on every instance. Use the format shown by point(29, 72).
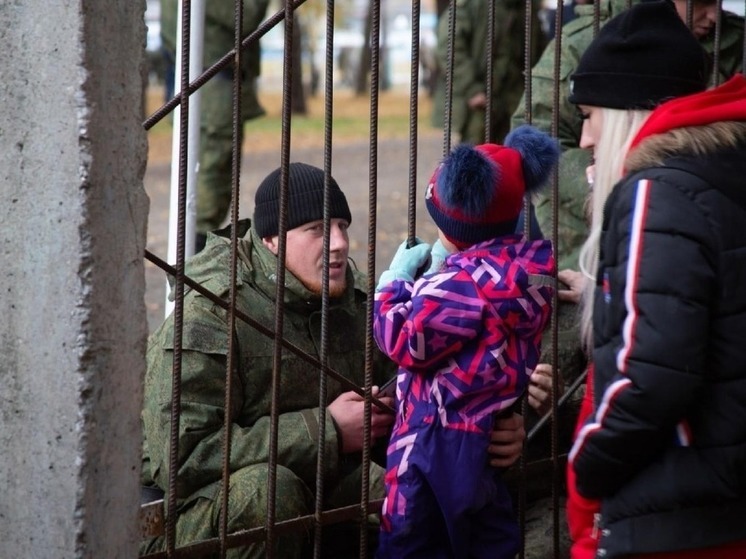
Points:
point(477, 192)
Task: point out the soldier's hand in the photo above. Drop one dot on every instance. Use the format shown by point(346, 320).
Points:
point(506, 441)
point(477, 101)
point(540, 388)
point(575, 281)
point(347, 410)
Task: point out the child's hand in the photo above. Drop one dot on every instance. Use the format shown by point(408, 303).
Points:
point(405, 264)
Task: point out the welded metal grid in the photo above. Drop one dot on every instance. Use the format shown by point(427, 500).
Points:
point(156, 517)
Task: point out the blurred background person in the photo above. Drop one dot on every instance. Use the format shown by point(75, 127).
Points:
point(469, 82)
point(216, 119)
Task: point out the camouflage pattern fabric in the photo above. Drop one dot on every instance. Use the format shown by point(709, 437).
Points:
point(470, 67)
point(247, 507)
point(201, 433)
point(216, 121)
point(573, 189)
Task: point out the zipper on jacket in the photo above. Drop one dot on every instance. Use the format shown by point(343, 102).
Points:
point(596, 525)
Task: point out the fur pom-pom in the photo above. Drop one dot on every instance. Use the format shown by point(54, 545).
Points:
point(467, 180)
point(539, 152)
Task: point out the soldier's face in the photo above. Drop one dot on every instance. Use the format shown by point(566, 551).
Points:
point(304, 254)
point(592, 123)
point(704, 16)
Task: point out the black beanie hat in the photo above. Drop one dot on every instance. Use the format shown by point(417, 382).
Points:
point(644, 56)
point(305, 199)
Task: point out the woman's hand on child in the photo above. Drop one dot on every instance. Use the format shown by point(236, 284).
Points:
point(540, 388)
point(575, 282)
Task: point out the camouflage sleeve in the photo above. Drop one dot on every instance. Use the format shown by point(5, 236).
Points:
point(504, 60)
point(468, 76)
point(202, 412)
point(542, 98)
point(572, 223)
point(573, 188)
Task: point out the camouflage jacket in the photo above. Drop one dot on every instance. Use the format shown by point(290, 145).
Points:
point(219, 39)
point(203, 370)
point(573, 189)
point(469, 59)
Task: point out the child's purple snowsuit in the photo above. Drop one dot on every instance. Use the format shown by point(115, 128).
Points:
point(466, 340)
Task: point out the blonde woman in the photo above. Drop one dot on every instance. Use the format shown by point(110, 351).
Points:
point(660, 462)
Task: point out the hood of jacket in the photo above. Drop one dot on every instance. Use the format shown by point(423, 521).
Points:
point(703, 133)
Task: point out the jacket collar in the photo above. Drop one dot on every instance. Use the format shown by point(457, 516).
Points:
point(261, 270)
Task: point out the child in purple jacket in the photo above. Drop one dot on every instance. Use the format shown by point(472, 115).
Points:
point(466, 336)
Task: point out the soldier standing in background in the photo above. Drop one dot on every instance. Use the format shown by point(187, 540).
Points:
point(576, 36)
point(205, 344)
point(469, 101)
point(216, 122)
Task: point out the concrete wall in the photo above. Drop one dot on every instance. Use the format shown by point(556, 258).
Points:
point(72, 233)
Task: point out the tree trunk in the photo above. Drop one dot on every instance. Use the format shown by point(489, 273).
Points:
point(363, 69)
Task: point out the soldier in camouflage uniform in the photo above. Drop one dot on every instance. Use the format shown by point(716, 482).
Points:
point(205, 341)
point(470, 68)
point(216, 122)
point(576, 36)
point(205, 347)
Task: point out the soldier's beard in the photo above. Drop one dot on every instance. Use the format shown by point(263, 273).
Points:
point(336, 288)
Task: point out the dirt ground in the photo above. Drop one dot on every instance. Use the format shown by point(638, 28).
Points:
point(350, 167)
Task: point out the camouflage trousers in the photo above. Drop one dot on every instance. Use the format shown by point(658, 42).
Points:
point(247, 508)
point(216, 147)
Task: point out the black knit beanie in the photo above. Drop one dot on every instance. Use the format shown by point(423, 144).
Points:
point(305, 199)
point(644, 56)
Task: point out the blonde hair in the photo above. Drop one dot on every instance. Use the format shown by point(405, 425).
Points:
point(618, 129)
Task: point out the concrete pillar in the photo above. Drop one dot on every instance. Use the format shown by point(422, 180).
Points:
point(73, 329)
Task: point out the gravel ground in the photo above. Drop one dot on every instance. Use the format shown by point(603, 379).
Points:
point(351, 169)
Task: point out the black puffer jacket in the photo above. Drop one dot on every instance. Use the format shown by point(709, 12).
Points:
point(666, 452)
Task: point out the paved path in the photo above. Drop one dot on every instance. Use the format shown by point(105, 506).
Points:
point(350, 167)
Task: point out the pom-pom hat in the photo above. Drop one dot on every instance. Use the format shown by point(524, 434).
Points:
point(477, 192)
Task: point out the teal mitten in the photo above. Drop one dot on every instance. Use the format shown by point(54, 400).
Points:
point(405, 264)
point(438, 256)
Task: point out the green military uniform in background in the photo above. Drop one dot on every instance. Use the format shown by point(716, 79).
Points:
point(205, 348)
point(216, 122)
point(573, 187)
point(470, 66)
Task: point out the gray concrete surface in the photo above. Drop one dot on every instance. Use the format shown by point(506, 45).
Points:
point(73, 328)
